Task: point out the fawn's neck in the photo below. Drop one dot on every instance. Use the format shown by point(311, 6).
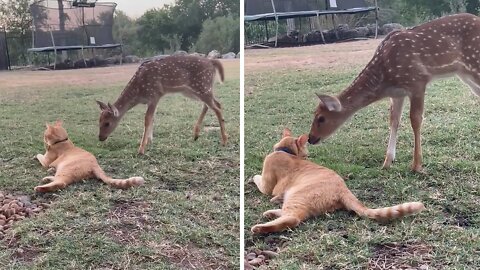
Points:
point(127, 99)
point(367, 88)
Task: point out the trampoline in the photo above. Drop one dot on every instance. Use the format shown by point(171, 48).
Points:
point(275, 10)
point(72, 25)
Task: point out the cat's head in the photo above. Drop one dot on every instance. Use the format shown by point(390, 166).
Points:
point(54, 133)
point(292, 145)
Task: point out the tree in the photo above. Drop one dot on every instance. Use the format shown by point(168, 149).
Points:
point(15, 17)
point(221, 33)
point(156, 29)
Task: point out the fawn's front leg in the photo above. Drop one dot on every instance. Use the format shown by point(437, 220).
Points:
point(148, 129)
point(396, 108)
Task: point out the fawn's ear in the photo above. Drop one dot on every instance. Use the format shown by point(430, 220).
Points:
point(58, 123)
point(302, 140)
point(113, 109)
point(102, 105)
point(286, 133)
point(332, 103)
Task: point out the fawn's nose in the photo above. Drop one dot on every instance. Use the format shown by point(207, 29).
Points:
point(313, 140)
point(102, 138)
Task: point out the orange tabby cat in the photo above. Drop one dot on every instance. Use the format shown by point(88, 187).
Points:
point(72, 164)
point(309, 190)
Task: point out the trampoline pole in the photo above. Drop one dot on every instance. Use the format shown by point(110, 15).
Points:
point(376, 19)
point(320, 27)
point(266, 30)
point(6, 48)
point(276, 20)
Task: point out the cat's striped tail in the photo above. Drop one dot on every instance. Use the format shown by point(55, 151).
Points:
point(382, 214)
point(118, 183)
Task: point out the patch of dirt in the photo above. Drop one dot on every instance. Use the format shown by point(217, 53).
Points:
point(331, 57)
point(188, 256)
point(400, 256)
point(22, 253)
point(14, 208)
point(129, 219)
point(103, 76)
point(455, 217)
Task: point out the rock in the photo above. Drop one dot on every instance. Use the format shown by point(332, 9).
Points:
point(247, 266)
point(214, 54)
point(238, 55)
point(131, 59)
point(362, 31)
point(229, 55)
point(198, 54)
point(371, 30)
point(283, 39)
point(180, 52)
point(389, 27)
point(343, 27)
point(251, 256)
point(269, 254)
point(256, 262)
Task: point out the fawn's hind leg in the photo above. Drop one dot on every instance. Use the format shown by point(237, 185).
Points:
point(196, 128)
point(213, 104)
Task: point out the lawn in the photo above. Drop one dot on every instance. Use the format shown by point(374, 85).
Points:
point(186, 216)
point(446, 235)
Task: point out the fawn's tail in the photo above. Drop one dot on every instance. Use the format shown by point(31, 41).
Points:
point(118, 183)
point(218, 66)
point(382, 214)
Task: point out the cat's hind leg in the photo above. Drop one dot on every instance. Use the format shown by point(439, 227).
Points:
point(280, 224)
point(274, 213)
point(47, 179)
point(277, 199)
point(57, 183)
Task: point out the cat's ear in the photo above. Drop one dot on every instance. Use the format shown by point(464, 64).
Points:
point(302, 140)
point(286, 133)
point(58, 123)
point(47, 125)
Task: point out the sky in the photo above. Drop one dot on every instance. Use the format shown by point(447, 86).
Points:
point(135, 8)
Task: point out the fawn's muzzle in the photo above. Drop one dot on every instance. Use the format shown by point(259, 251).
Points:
point(313, 140)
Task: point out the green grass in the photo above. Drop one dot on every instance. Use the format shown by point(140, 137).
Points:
point(450, 227)
point(185, 216)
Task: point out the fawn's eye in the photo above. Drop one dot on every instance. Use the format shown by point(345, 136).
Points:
point(321, 119)
point(106, 124)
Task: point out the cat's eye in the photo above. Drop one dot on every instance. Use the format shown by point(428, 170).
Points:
point(321, 119)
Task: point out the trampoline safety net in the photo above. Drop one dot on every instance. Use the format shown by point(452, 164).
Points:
point(75, 26)
point(254, 7)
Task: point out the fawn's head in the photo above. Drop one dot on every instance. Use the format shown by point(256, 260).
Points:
point(328, 116)
point(109, 118)
point(54, 133)
point(292, 145)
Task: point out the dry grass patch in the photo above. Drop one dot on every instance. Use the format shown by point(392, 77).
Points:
point(414, 255)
